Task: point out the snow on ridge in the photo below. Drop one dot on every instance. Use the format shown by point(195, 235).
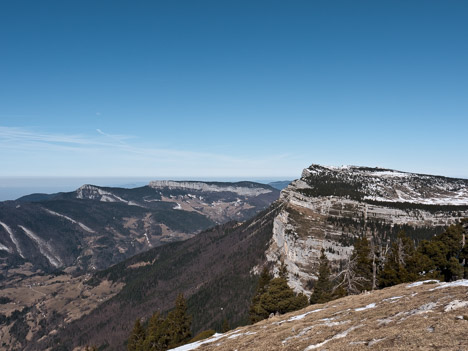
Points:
point(83, 226)
point(147, 240)
point(44, 247)
point(92, 192)
point(4, 248)
point(200, 186)
point(13, 238)
point(95, 193)
point(386, 185)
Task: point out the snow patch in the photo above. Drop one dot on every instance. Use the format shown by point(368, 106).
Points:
point(430, 281)
point(337, 336)
point(392, 298)
point(200, 186)
point(369, 306)
point(195, 345)
point(13, 238)
point(44, 247)
point(241, 334)
point(86, 228)
point(301, 316)
point(455, 305)
point(4, 248)
point(461, 282)
point(147, 240)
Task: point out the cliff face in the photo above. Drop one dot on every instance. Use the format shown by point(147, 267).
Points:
point(241, 188)
point(329, 206)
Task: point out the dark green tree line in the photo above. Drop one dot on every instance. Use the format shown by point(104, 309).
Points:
point(274, 295)
point(163, 333)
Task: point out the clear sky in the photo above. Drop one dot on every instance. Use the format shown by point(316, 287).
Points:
point(231, 88)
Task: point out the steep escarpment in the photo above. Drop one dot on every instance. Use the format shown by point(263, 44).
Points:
point(328, 207)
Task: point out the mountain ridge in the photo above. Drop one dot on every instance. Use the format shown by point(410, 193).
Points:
point(291, 232)
point(93, 227)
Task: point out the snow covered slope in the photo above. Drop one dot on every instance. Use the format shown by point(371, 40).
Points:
point(380, 184)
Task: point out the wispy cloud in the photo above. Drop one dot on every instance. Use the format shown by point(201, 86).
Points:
point(103, 152)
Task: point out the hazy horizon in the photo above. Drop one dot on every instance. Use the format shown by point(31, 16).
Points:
point(12, 188)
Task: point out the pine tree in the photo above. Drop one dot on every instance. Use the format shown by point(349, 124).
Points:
point(445, 254)
point(137, 337)
point(362, 255)
point(225, 327)
point(359, 271)
point(274, 296)
point(402, 263)
point(157, 334)
point(256, 311)
point(280, 298)
point(323, 287)
point(179, 323)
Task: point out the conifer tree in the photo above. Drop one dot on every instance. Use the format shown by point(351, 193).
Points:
point(401, 263)
point(323, 287)
point(274, 296)
point(137, 337)
point(362, 256)
point(256, 311)
point(444, 256)
point(225, 327)
point(280, 298)
point(179, 323)
point(157, 334)
point(359, 270)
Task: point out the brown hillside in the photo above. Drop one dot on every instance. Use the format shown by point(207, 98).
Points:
point(430, 316)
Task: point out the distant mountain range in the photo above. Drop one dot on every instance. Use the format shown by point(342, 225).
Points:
point(94, 227)
point(328, 207)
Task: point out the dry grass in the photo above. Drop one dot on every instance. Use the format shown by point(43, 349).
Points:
point(419, 319)
point(47, 294)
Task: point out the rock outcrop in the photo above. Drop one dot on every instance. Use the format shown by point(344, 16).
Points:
point(329, 206)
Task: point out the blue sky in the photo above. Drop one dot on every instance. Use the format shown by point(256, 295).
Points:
point(245, 89)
